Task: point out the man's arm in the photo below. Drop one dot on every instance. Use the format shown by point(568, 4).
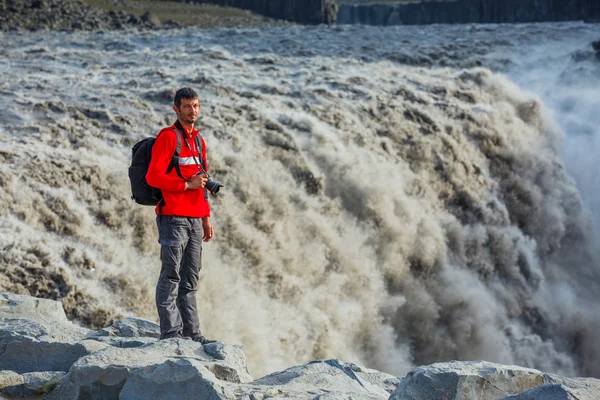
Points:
point(207, 229)
point(162, 154)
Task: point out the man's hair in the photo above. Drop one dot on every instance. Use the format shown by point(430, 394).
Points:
point(184, 93)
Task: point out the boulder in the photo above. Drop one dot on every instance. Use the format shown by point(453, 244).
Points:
point(330, 12)
point(547, 392)
point(560, 388)
point(26, 354)
point(58, 331)
point(28, 384)
point(326, 379)
point(9, 378)
point(19, 306)
point(151, 19)
point(466, 380)
point(182, 368)
point(32, 346)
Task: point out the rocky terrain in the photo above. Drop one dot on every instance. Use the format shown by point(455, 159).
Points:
point(312, 12)
point(42, 353)
point(67, 15)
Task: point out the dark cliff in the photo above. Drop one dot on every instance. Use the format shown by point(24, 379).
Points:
point(469, 11)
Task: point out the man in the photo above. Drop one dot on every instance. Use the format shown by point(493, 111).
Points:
point(183, 219)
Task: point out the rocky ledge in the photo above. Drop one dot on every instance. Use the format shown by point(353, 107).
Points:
point(73, 15)
point(42, 353)
point(64, 15)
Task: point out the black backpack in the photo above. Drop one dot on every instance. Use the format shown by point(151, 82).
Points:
point(141, 153)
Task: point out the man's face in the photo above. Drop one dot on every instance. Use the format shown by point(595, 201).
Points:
point(188, 110)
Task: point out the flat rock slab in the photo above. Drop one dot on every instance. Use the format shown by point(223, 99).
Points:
point(19, 306)
point(462, 380)
point(43, 330)
point(131, 327)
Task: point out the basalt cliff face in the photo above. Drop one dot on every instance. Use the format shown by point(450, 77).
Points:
point(469, 11)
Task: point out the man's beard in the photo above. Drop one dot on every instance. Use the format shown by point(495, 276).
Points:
point(189, 120)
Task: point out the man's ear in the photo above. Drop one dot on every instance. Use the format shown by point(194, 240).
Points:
point(175, 108)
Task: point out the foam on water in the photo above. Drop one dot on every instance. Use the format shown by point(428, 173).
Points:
point(391, 198)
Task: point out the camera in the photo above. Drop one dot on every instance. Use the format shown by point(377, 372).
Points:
point(214, 186)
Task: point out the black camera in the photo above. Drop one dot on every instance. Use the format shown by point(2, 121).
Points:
point(213, 186)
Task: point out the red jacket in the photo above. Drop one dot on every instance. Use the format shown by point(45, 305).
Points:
point(177, 200)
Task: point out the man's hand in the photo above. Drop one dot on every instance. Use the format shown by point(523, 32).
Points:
point(207, 229)
point(197, 181)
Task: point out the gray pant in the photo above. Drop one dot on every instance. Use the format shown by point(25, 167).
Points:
point(181, 255)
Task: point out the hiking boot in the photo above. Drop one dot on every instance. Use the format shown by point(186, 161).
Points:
point(202, 340)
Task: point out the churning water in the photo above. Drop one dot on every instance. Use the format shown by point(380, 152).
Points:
point(394, 196)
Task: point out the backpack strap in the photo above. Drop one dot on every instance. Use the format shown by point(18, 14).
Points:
point(175, 160)
point(199, 147)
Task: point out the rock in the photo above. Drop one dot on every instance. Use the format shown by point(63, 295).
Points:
point(547, 392)
point(596, 45)
point(28, 384)
point(9, 378)
point(131, 327)
point(472, 379)
point(125, 361)
point(330, 12)
point(186, 368)
point(557, 387)
point(58, 331)
point(31, 346)
point(151, 19)
point(333, 377)
point(25, 354)
point(18, 306)
point(233, 356)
